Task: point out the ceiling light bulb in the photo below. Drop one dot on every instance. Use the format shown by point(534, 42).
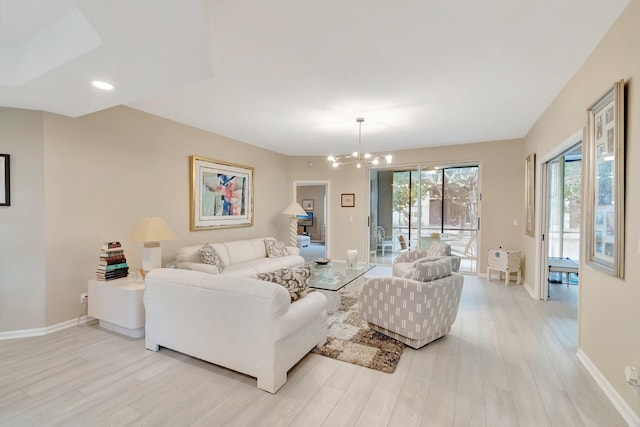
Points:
point(355, 154)
point(102, 85)
point(331, 159)
point(388, 158)
point(367, 155)
point(375, 161)
point(334, 164)
point(358, 165)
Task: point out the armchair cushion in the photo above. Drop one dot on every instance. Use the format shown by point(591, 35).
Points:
point(405, 262)
point(438, 249)
point(426, 271)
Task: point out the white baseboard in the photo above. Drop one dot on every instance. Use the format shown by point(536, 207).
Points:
point(618, 402)
point(530, 289)
point(36, 332)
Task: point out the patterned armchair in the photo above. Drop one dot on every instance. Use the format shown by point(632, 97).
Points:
point(415, 310)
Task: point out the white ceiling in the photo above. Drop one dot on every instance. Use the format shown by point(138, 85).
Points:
point(292, 76)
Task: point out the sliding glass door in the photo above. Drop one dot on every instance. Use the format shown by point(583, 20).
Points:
point(440, 204)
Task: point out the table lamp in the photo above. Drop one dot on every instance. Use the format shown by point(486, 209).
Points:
point(293, 210)
point(150, 231)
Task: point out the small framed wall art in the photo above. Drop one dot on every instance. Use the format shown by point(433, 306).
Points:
point(604, 162)
point(221, 194)
point(348, 200)
point(5, 178)
point(307, 204)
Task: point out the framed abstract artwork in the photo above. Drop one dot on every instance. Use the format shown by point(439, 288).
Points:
point(5, 178)
point(604, 161)
point(221, 194)
point(530, 194)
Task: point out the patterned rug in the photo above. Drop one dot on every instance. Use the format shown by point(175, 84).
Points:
point(351, 340)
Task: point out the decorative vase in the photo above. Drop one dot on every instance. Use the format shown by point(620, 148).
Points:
point(352, 257)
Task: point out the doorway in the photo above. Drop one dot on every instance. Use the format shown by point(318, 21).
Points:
point(562, 178)
point(313, 196)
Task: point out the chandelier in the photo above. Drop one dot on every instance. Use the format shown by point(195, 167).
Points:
point(358, 157)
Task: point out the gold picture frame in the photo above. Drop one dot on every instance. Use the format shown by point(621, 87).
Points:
point(604, 174)
point(221, 194)
point(530, 195)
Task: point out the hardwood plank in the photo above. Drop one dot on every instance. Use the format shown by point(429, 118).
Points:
point(508, 360)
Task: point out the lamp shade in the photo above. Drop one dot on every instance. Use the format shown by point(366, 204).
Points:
point(152, 229)
point(294, 209)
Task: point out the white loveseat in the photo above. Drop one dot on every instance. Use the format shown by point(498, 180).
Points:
point(242, 257)
point(241, 323)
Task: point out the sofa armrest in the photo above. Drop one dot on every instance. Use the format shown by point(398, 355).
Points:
point(198, 266)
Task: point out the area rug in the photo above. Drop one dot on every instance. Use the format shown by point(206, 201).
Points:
point(351, 340)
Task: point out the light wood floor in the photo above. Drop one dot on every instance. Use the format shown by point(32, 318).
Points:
point(509, 361)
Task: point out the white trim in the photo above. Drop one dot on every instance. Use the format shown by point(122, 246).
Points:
point(36, 332)
point(618, 402)
point(539, 275)
point(529, 289)
point(327, 206)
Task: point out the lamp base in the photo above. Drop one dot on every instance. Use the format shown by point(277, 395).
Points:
point(293, 231)
point(151, 256)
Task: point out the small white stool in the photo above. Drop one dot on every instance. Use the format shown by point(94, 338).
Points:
point(303, 241)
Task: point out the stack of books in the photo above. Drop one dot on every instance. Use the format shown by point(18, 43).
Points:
point(112, 264)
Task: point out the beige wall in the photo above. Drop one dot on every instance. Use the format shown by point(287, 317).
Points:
point(22, 256)
point(609, 308)
point(89, 180)
point(502, 183)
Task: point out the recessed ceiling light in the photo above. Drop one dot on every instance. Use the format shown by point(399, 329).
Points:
point(102, 85)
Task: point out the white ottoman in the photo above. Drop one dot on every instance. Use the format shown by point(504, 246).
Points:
point(303, 241)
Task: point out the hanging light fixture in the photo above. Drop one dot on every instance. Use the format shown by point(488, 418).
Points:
point(358, 157)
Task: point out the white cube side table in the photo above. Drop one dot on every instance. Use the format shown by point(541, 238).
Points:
point(118, 305)
point(504, 261)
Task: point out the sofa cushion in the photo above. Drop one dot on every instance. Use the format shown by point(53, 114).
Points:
point(211, 256)
point(432, 270)
point(275, 248)
point(295, 280)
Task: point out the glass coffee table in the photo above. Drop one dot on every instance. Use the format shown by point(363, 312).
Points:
point(332, 277)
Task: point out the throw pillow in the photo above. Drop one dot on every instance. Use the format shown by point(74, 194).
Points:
point(210, 256)
point(275, 248)
point(432, 270)
point(295, 280)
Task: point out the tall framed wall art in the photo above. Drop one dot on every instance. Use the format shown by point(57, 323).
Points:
point(604, 182)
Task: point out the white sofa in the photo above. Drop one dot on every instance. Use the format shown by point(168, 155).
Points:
point(241, 323)
point(243, 257)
